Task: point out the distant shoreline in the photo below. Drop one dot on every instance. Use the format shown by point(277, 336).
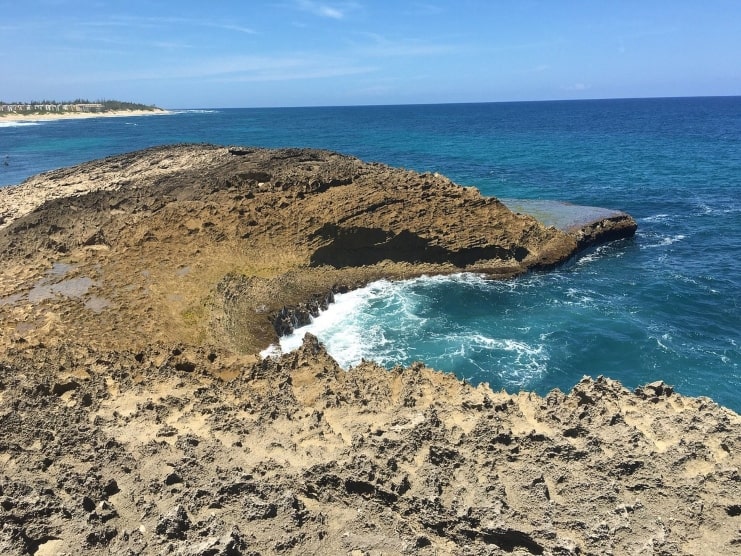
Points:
point(36, 117)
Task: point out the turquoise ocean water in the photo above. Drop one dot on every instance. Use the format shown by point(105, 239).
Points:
point(663, 305)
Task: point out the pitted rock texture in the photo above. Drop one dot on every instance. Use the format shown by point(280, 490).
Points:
point(201, 243)
point(136, 418)
point(183, 450)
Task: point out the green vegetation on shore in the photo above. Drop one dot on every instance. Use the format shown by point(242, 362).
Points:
point(121, 105)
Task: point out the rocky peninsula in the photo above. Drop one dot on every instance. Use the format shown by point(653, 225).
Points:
point(137, 418)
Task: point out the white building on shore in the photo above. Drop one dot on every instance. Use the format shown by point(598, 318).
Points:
point(79, 107)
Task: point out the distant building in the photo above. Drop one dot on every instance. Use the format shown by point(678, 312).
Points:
point(88, 107)
point(79, 107)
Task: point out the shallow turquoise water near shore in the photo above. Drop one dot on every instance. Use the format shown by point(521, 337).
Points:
point(664, 305)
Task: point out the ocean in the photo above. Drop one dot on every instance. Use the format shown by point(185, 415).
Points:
point(663, 305)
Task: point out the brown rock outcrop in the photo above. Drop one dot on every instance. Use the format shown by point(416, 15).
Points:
point(136, 419)
point(210, 243)
point(186, 450)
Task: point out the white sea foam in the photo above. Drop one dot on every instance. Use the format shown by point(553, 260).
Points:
point(579, 297)
point(662, 340)
point(336, 328)
point(593, 255)
point(512, 361)
point(194, 111)
point(707, 210)
point(272, 350)
point(656, 218)
point(397, 322)
point(351, 335)
point(665, 241)
point(19, 124)
point(672, 239)
point(588, 258)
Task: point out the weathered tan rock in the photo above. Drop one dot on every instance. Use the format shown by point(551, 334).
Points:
point(182, 449)
point(136, 418)
point(207, 244)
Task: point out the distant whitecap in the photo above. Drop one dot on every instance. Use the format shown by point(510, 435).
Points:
point(19, 124)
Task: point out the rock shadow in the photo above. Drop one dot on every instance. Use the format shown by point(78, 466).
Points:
point(358, 246)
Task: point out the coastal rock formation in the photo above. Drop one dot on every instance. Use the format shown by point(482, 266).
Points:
point(588, 225)
point(184, 450)
point(211, 243)
point(136, 417)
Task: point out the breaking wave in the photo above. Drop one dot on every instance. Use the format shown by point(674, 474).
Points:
point(19, 124)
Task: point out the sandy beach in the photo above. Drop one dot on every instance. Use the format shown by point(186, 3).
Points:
point(35, 117)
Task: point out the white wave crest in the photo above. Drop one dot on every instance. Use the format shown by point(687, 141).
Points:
point(594, 255)
point(272, 350)
point(655, 218)
point(194, 111)
point(19, 124)
point(387, 322)
point(350, 333)
point(530, 360)
point(336, 326)
point(504, 360)
point(672, 239)
point(666, 241)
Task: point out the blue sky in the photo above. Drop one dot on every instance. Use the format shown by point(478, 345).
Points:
point(189, 54)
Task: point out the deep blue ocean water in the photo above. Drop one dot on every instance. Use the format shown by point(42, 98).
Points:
point(664, 305)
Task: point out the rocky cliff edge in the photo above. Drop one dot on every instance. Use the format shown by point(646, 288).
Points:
point(136, 418)
point(208, 244)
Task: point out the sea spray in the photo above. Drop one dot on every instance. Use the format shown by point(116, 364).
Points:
point(422, 319)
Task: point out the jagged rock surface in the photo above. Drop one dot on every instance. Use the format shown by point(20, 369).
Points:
point(179, 450)
point(136, 419)
point(201, 243)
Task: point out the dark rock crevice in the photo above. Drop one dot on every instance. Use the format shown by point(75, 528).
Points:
point(360, 246)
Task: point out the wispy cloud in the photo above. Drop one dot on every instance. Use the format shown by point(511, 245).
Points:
point(158, 22)
point(131, 32)
point(241, 69)
point(237, 28)
point(127, 34)
point(324, 9)
point(381, 46)
point(425, 8)
point(118, 44)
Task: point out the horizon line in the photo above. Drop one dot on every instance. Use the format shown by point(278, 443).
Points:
point(447, 103)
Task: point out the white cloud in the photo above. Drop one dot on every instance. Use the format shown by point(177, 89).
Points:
point(237, 28)
point(158, 22)
point(328, 11)
point(237, 69)
point(425, 8)
point(331, 11)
